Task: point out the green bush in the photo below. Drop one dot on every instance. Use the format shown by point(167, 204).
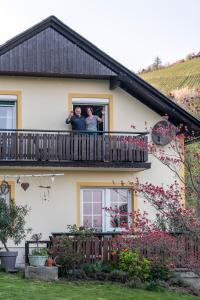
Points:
point(98, 267)
point(131, 262)
point(40, 252)
point(2, 269)
point(82, 231)
point(102, 276)
point(135, 283)
point(159, 272)
point(153, 286)
point(119, 276)
point(90, 268)
point(75, 274)
point(108, 267)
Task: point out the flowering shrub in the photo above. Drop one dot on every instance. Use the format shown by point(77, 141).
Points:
point(131, 262)
point(159, 272)
point(154, 240)
point(64, 254)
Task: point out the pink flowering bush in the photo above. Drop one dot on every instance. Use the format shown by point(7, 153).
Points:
point(172, 240)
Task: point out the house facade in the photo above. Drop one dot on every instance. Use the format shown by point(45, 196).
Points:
point(46, 72)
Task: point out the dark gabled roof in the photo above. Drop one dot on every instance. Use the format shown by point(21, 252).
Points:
point(50, 48)
point(43, 51)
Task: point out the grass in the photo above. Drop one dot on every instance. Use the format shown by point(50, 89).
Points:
point(14, 287)
point(186, 74)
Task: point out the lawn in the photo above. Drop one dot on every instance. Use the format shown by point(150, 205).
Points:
point(14, 287)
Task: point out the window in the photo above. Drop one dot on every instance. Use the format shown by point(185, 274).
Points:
point(8, 111)
point(92, 208)
point(93, 204)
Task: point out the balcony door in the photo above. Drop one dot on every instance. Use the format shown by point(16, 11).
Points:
point(8, 111)
point(98, 105)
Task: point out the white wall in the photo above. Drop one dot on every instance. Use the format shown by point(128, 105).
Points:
point(45, 102)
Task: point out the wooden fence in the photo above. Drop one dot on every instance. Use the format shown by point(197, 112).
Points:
point(182, 251)
point(105, 247)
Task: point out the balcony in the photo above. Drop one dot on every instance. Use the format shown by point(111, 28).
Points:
point(45, 148)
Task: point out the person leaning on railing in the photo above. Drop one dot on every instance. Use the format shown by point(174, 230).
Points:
point(76, 120)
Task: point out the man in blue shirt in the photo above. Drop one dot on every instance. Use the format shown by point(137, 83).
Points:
point(76, 120)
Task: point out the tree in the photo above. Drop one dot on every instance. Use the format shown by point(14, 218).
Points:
point(157, 63)
point(175, 233)
point(188, 98)
point(190, 56)
point(12, 222)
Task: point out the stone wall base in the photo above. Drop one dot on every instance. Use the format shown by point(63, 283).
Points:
point(41, 273)
point(189, 277)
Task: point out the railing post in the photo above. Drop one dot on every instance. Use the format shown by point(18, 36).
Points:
point(107, 147)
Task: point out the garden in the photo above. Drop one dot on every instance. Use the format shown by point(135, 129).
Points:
point(94, 265)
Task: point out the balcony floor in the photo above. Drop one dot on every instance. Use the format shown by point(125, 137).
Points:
point(78, 165)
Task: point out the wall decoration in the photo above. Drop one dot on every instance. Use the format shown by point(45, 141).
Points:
point(46, 192)
point(25, 185)
point(4, 187)
point(48, 177)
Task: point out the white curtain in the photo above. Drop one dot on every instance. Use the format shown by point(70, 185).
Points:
point(7, 117)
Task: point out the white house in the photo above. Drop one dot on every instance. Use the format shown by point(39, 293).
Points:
point(45, 72)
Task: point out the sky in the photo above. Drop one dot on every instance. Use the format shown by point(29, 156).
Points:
point(133, 32)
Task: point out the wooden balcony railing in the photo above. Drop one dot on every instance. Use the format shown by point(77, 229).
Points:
point(68, 148)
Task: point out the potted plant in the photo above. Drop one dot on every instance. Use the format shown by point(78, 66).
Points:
point(39, 256)
point(12, 226)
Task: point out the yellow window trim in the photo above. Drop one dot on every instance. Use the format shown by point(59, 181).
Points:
point(19, 105)
point(12, 189)
point(100, 96)
point(80, 185)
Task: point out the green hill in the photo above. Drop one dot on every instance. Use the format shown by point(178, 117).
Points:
point(178, 76)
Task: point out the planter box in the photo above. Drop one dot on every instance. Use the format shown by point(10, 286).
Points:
point(42, 273)
point(37, 260)
point(8, 260)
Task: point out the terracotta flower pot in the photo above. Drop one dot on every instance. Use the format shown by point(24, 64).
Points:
point(50, 262)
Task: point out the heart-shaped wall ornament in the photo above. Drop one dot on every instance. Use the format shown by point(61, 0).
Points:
point(25, 185)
